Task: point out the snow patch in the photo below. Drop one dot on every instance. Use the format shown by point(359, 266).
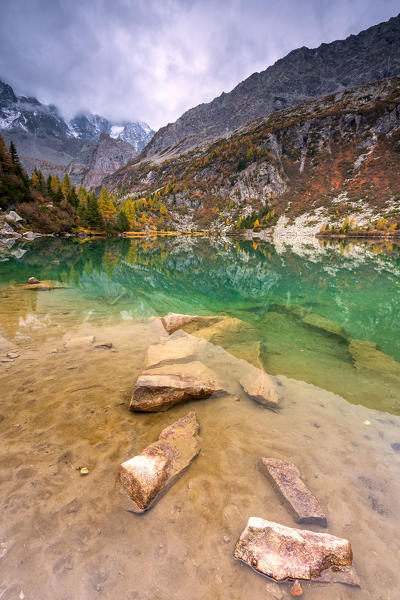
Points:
point(116, 131)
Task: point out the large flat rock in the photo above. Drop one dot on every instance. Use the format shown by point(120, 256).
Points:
point(165, 386)
point(260, 387)
point(285, 553)
point(149, 474)
point(174, 350)
point(286, 479)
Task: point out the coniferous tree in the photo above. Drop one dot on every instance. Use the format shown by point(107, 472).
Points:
point(122, 221)
point(13, 187)
point(93, 215)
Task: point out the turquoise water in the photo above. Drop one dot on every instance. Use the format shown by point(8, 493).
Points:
point(273, 289)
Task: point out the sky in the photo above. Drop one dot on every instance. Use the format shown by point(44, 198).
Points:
point(154, 59)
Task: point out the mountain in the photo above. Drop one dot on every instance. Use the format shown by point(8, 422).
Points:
point(86, 126)
point(44, 139)
point(322, 162)
point(300, 76)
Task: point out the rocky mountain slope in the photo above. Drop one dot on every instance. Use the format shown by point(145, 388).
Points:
point(302, 75)
point(44, 139)
point(321, 162)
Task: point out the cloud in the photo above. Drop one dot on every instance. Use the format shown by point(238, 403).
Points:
point(154, 59)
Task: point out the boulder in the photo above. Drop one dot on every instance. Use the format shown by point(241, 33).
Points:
point(32, 280)
point(8, 232)
point(286, 479)
point(174, 321)
point(13, 216)
point(285, 553)
point(260, 387)
point(148, 475)
point(165, 386)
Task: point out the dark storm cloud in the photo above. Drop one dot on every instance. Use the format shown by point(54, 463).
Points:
point(154, 59)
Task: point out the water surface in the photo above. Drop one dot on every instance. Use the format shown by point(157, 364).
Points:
point(66, 536)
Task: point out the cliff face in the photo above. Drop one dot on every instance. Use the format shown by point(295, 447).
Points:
point(326, 159)
point(108, 156)
point(302, 75)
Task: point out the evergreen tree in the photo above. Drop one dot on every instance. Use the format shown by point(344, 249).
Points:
point(93, 216)
point(72, 198)
point(122, 221)
point(13, 187)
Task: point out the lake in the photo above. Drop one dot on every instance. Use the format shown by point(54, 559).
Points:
point(324, 320)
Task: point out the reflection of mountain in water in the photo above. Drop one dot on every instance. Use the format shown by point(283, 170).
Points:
point(242, 278)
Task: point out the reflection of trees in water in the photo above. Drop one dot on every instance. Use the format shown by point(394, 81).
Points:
point(357, 288)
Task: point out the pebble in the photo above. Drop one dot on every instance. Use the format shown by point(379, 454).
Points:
point(84, 471)
point(227, 539)
point(13, 354)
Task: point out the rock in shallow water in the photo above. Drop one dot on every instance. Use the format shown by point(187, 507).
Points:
point(259, 386)
point(174, 321)
point(146, 476)
point(285, 553)
point(286, 479)
point(173, 350)
point(162, 387)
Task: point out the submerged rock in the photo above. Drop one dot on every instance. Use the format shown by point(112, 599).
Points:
point(173, 350)
point(325, 325)
point(174, 321)
point(296, 590)
point(162, 387)
point(146, 476)
point(79, 341)
point(366, 355)
point(286, 479)
point(43, 286)
point(285, 553)
point(260, 386)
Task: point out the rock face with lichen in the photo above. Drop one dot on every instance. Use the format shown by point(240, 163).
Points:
point(285, 477)
point(146, 476)
point(285, 553)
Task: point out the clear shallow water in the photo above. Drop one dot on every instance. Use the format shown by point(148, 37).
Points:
point(70, 537)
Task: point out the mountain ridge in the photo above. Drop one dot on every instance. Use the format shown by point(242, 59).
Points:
point(45, 140)
point(303, 74)
point(324, 161)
